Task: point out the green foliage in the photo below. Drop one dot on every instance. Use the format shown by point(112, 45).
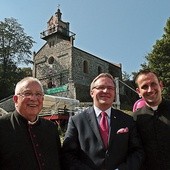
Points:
point(125, 76)
point(15, 48)
point(159, 59)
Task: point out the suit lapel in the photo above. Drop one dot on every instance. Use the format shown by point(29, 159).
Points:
point(90, 114)
point(115, 123)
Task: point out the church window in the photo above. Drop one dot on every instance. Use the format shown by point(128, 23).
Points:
point(99, 70)
point(85, 66)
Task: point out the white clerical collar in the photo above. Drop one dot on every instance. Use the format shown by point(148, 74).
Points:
point(154, 108)
point(34, 122)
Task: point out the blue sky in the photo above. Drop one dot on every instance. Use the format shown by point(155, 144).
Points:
point(119, 31)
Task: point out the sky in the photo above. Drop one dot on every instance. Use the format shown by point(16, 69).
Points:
point(119, 31)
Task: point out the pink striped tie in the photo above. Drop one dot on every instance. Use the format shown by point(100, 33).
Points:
point(104, 128)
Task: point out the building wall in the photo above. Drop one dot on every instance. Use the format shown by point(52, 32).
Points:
point(59, 69)
point(83, 77)
point(68, 68)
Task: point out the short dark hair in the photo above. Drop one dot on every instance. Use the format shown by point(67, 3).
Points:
point(144, 71)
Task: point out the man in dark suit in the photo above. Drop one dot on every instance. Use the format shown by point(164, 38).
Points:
point(83, 146)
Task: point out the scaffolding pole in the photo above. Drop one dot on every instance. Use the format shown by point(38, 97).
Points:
point(117, 99)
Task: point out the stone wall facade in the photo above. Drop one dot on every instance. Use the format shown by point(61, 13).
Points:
point(64, 64)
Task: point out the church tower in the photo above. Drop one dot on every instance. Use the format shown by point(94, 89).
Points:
point(53, 62)
point(57, 28)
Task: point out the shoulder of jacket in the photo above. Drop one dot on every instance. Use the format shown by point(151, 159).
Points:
point(122, 114)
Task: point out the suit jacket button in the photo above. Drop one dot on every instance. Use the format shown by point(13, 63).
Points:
point(107, 154)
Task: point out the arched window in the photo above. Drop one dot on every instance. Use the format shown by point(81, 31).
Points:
point(99, 70)
point(85, 66)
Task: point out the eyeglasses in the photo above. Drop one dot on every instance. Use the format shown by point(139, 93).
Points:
point(104, 87)
point(30, 94)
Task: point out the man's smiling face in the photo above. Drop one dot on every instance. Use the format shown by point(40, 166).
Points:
point(29, 100)
point(150, 88)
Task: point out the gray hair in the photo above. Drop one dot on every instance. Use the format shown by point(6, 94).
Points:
point(29, 79)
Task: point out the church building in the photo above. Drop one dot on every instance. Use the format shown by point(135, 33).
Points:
point(64, 69)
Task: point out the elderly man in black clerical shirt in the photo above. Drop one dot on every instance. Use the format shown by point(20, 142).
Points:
point(28, 142)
